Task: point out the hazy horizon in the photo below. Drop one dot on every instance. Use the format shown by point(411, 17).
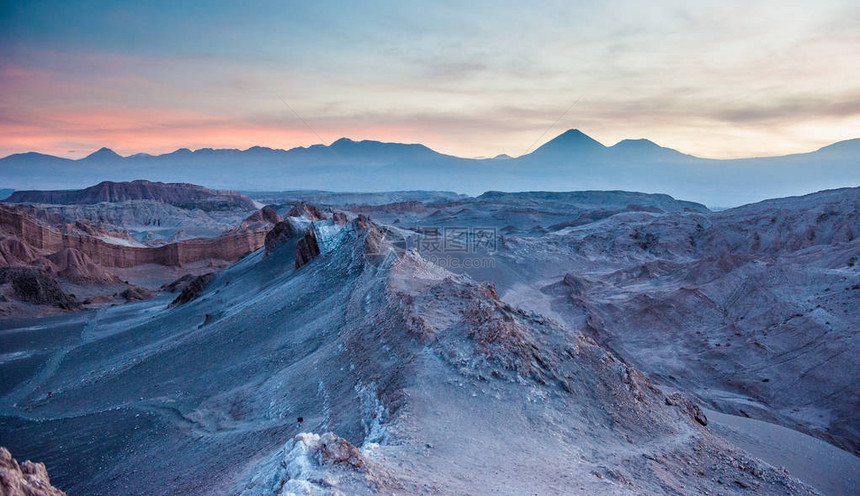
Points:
point(544, 141)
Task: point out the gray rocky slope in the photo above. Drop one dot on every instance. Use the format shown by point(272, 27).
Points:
point(408, 379)
point(754, 308)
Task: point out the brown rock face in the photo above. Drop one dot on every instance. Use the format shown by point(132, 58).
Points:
point(335, 450)
point(14, 252)
point(193, 289)
point(307, 211)
point(307, 249)
point(266, 215)
point(269, 215)
point(32, 285)
point(279, 235)
point(26, 479)
point(498, 336)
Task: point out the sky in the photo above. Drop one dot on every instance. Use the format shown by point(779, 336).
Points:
point(722, 79)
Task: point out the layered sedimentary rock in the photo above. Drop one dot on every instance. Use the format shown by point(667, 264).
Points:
point(49, 239)
point(14, 252)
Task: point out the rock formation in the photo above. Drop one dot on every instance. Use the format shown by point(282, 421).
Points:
point(15, 252)
point(25, 479)
point(307, 248)
point(41, 237)
point(280, 234)
point(73, 265)
point(178, 194)
point(193, 289)
point(339, 218)
point(32, 285)
point(307, 211)
point(266, 215)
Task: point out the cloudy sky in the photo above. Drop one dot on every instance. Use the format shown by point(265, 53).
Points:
point(715, 79)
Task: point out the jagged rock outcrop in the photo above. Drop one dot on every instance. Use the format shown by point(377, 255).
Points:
point(323, 465)
point(193, 289)
point(25, 479)
point(178, 284)
point(339, 218)
point(178, 194)
point(266, 215)
point(335, 450)
point(307, 211)
point(307, 248)
point(32, 285)
point(278, 235)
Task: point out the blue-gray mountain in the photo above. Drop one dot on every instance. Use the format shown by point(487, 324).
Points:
point(571, 161)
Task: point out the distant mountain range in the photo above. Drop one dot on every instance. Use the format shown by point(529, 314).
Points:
point(572, 161)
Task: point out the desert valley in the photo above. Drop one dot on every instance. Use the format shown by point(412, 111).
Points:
point(168, 335)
